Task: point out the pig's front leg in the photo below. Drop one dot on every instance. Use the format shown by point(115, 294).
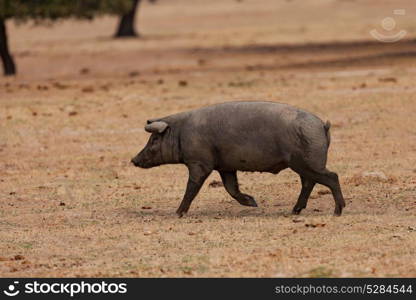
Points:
point(197, 175)
point(230, 182)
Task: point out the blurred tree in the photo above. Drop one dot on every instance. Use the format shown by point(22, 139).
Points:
point(9, 67)
point(126, 24)
point(49, 11)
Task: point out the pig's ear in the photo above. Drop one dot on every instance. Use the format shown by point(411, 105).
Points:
point(157, 126)
point(151, 121)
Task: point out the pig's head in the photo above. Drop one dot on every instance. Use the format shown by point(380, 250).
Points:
point(158, 150)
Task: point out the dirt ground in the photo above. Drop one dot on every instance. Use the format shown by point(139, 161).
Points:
point(72, 205)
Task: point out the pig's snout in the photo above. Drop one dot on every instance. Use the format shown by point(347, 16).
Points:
point(135, 161)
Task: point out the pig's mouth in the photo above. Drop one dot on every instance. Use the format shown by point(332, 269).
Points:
point(140, 164)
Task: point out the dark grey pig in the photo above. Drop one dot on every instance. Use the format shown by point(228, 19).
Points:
point(242, 136)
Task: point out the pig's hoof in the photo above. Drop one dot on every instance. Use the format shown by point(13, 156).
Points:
point(338, 211)
point(180, 212)
point(247, 200)
point(296, 211)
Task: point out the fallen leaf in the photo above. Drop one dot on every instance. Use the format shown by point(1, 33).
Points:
point(315, 225)
point(88, 89)
point(182, 83)
point(59, 85)
point(215, 183)
point(388, 79)
point(324, 192)
point(298, 220)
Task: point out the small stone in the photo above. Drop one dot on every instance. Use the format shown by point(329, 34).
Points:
point(84, 71)
point(134, 73)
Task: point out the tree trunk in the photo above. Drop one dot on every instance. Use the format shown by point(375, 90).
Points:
point(126, 25)
point(8, 63)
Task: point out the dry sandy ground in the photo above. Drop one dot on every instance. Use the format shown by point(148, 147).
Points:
point(72, 205)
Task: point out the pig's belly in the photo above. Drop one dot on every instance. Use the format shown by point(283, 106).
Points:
point(254, 161)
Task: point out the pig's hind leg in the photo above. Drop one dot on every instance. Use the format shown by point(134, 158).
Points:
point(307, 187)
point(322, 176)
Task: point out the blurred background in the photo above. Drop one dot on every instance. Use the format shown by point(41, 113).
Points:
point(46, 41)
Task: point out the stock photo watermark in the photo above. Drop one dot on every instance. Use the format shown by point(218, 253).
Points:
point(391, 34)
point(12, 290)
point(71, 289)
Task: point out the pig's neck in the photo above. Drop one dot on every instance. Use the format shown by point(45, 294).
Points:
point(171, 148)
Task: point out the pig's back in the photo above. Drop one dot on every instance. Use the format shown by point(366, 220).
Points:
point(247, 136)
